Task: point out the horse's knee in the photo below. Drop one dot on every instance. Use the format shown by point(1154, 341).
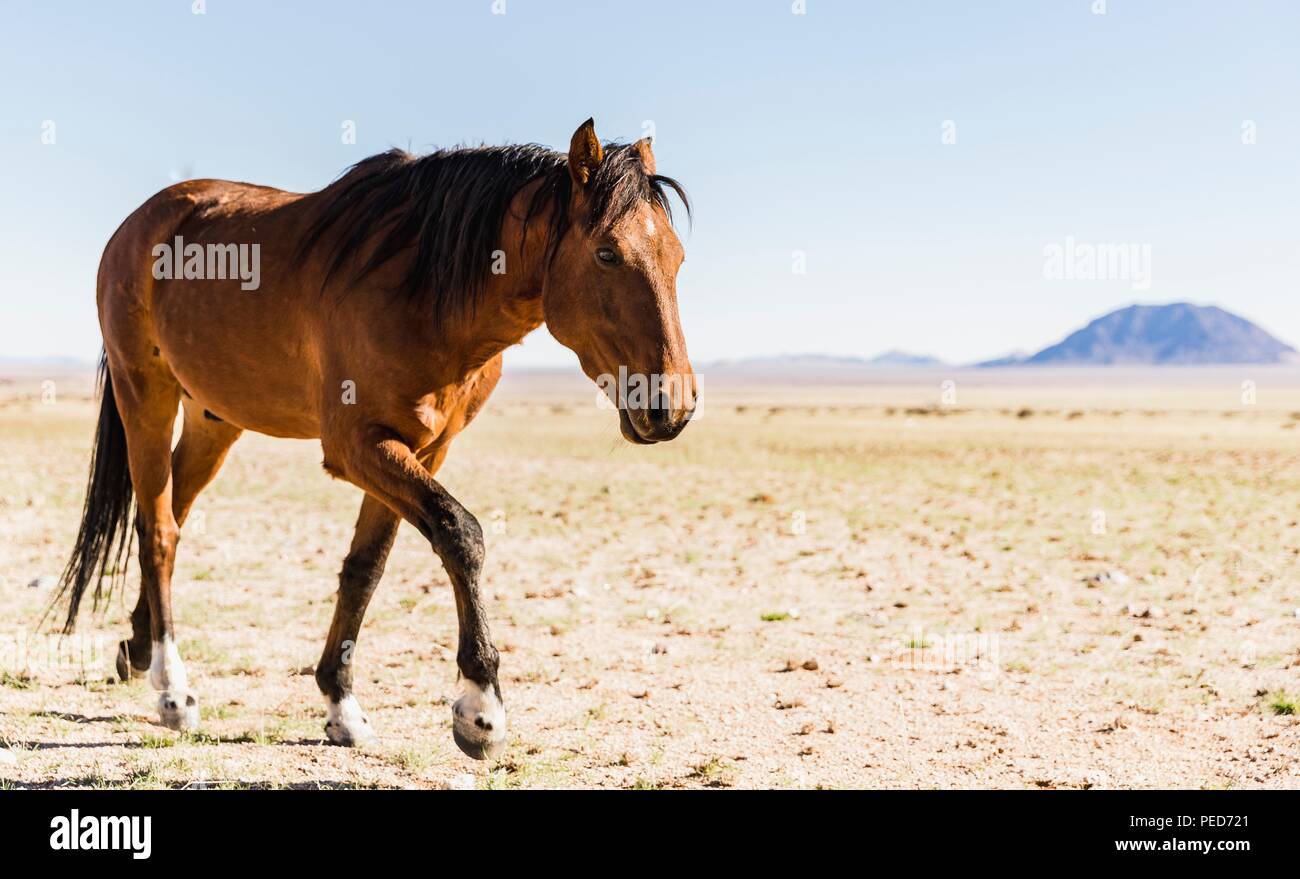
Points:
point(457, 537)
point(361, 571)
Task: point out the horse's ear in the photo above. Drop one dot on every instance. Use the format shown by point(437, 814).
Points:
point(642, 147)
point(584, 153)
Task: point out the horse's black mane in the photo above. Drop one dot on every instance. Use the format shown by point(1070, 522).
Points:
point(449, 207)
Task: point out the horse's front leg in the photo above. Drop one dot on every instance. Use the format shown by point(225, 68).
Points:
point(347, 724)
point(386, 468)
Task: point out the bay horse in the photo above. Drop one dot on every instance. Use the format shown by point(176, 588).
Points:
point(382, 306)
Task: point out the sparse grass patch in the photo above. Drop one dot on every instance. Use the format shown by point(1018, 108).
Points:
point(154, 740)
point(20, 681)
point(1282, 702)
point(412, 759)
point(714, 772)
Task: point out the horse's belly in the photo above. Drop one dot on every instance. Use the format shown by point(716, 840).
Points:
point(242, 356)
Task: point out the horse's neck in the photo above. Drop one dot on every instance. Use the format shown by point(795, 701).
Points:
point(511, 304)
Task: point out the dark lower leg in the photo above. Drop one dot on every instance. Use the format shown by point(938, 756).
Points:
point(386, 468)
point(133, 655)
point(376, 529)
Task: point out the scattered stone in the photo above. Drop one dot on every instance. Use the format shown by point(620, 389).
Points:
point(307, 670)
point(1149, 612)
point(787, 704)
point(1107, 578)
point(1116, 724)
point(810, 665)
point(44, 582)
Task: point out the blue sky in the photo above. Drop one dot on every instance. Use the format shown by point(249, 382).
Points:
point(819, 133)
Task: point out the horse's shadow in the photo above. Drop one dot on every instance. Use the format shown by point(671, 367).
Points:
point(198, 739)
point(73, 717)
point(100, 782)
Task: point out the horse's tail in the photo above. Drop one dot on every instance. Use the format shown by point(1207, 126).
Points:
point(103, 543)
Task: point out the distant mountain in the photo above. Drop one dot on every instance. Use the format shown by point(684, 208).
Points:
point(1179, 334)
point(895, 359)
point(828, 363)
point(1015, 358)
point(47, 364)
point(803, 359)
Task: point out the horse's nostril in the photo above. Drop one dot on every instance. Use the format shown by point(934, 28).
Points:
point(482, 724)
point(660, 419)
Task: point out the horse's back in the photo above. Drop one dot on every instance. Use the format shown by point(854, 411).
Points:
point(200, 277)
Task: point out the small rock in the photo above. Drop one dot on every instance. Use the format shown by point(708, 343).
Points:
point(1107, 578)
point(307, 670)
point(810, 665)
point(45, 582)
point(461, 781)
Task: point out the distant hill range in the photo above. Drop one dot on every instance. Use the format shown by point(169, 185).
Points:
point(1180, 334)
point(827, 363)
point(45, 364)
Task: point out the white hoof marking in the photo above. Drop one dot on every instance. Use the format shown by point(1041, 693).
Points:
point(479, 721)
point(166, 671)
point(346, 724)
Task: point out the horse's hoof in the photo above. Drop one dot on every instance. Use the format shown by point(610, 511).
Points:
point(478, 723)
point(348, 726)
point(178, 710)
point(125, 670)
point(358, 735)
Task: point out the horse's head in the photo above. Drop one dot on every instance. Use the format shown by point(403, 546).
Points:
point(611, 291)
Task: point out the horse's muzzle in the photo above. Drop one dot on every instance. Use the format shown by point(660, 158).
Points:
point(656, 424)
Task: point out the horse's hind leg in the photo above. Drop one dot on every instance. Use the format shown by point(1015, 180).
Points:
point(196, 460)
point(376, 528)
point(147, 398)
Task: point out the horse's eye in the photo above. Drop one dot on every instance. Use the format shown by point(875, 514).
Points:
point(606, 255)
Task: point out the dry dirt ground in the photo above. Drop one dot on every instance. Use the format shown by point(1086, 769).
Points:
point(1057, 585)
